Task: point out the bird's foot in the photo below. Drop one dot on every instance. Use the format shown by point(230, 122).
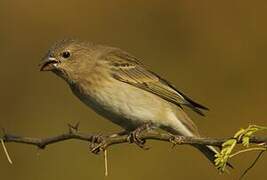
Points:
point(134, 136)
point(97, 144)
point(174, 139)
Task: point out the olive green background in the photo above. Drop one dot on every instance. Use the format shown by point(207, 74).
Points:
point(214, 51)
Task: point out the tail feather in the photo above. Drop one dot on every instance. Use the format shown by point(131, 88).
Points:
point(209, 152)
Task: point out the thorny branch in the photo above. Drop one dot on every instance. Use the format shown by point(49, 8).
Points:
point(101, 142)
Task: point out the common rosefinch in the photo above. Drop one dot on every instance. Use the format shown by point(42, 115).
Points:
point(117, 86)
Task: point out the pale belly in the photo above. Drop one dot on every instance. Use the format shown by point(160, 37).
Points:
point(129, 106)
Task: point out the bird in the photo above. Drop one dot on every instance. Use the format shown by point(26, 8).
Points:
point(118, 86)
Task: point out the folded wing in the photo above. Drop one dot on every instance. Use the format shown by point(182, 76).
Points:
point(128, 69)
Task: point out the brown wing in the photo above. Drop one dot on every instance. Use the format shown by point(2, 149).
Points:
point(128, 69)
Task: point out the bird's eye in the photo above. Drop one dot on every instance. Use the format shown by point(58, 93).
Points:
point(66, 54)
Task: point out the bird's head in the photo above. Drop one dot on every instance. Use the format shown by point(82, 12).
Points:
point(67, 58)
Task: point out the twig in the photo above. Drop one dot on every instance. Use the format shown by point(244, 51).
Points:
point(247, 150)
point(252, 165)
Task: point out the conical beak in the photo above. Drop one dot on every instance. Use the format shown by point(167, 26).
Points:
point(49, 64)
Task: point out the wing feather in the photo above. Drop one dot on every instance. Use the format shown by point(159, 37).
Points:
point(128, 69)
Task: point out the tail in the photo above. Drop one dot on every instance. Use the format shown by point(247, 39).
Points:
point(184, 126)
point(209, 152)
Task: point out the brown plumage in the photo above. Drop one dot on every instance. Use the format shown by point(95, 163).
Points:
point(119, 87)
point(134, 73)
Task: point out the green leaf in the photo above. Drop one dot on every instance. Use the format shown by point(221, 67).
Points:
point(228, 146)
point(244, 135)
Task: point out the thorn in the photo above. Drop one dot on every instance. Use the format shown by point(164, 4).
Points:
point(3, 130)
point(6, 152)
point(73, 128)
point(106, 162)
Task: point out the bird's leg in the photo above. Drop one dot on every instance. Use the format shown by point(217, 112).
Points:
point(134, 135)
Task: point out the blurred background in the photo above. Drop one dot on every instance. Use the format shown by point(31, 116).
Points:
point(213, 51)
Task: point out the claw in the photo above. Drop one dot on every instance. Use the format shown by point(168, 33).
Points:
point(134, 136)
point(98, 148)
